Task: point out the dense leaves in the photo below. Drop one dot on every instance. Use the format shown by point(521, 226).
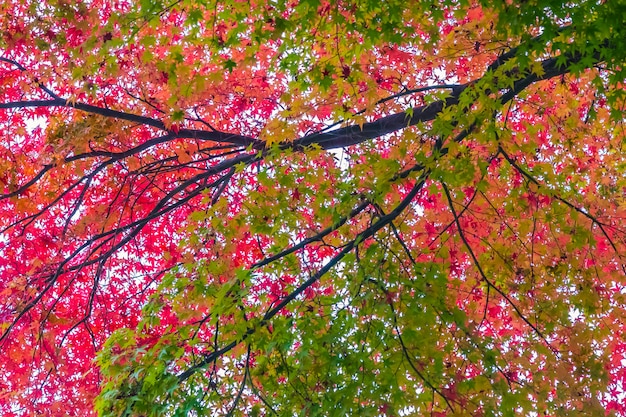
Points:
point(312, 208)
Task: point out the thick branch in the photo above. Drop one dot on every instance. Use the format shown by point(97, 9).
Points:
point(366, 234)
point(355, 134)
point(213, 135)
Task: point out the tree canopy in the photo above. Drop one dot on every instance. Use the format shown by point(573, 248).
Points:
point(314, 208)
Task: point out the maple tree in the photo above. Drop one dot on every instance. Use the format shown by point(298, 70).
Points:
point(312, 208)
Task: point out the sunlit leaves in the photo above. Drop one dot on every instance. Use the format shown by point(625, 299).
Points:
point(311, 208)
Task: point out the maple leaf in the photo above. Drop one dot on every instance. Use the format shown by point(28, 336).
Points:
point(345, 208)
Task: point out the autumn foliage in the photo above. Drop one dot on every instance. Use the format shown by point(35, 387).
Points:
point(315, 208)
